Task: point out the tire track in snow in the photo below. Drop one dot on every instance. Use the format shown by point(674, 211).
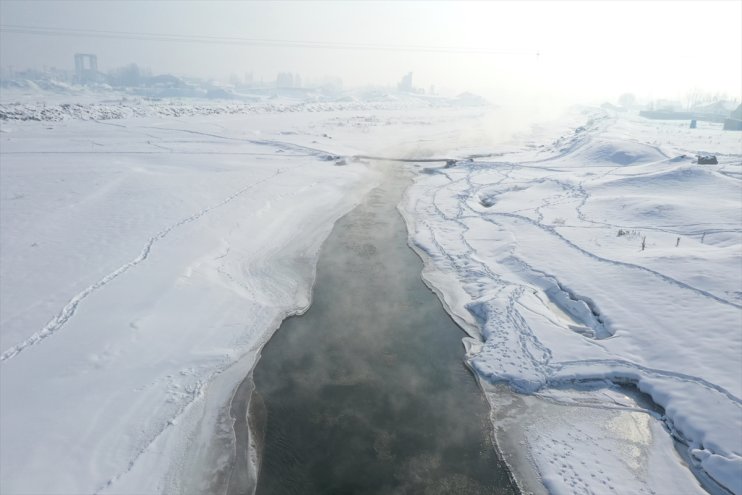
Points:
point(68, 311)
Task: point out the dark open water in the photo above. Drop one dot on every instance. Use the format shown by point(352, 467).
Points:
point(367, 393)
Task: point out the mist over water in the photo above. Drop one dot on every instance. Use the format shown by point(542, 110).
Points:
point(367, 392)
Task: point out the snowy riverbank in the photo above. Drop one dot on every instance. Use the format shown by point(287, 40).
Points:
point(144, 263)
point(132, 279)
point(540, 255)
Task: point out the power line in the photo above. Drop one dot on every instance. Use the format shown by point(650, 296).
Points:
point(227, 40)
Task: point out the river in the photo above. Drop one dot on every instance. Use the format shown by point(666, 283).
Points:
point(367, 391)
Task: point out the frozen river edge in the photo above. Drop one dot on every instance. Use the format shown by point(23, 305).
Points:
point(361, 346)
point(523, 251)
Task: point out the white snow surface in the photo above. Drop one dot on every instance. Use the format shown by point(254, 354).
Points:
point(144, 262)
point(132, 278)
point(539, 254)
point(79, 103)
point(149, 249)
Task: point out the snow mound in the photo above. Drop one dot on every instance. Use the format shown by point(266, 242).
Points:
point(682, 177)
point(675, 196)
point(607, 153)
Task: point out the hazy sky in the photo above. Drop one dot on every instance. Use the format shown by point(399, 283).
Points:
point(587, 49)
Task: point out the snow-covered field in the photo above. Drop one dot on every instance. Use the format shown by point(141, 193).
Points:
point(605, 256)
point(139, 264)
point(149, 249)
point(77, 102)
point(144, 263)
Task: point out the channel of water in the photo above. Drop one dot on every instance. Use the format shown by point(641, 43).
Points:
point(367, 392)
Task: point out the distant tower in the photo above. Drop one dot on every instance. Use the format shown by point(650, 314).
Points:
point(406, 83)
point(86, 72)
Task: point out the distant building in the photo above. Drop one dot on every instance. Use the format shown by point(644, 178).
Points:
point(734, 122)
point(86, 68)
point(720, 107)
point(406, 83)
point(716, 111)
